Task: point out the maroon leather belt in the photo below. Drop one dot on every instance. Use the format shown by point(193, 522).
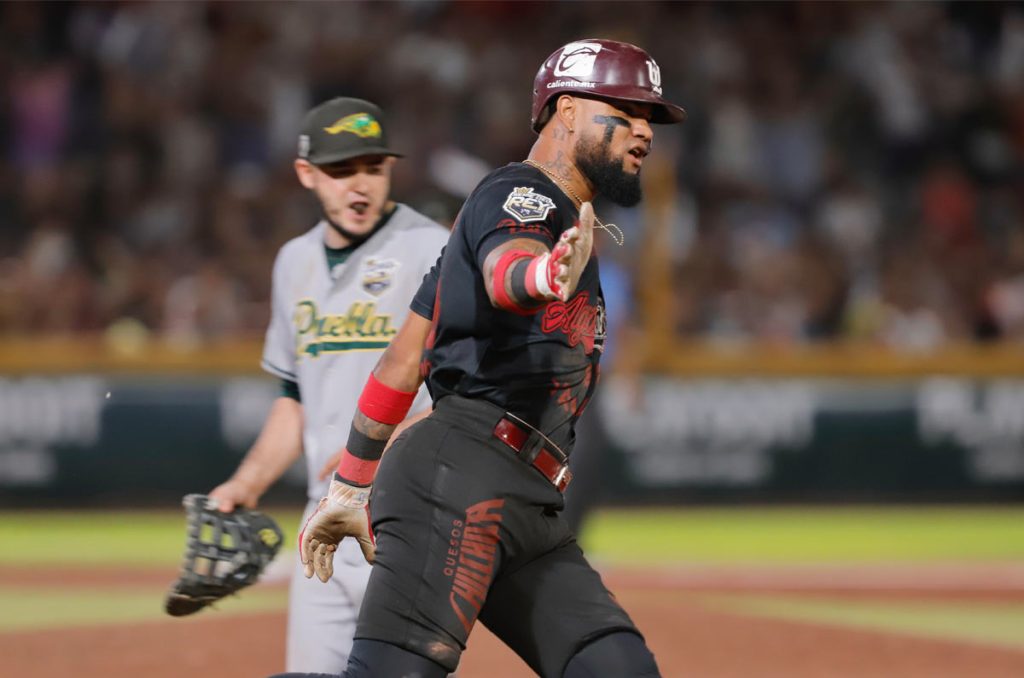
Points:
point(550, 464)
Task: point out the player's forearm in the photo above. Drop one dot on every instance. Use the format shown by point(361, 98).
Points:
point(373, 429)
point(399, 365)
point(404, 379)
point(397, 372)
point(380, 409)
point(522, 275)
point(510, 276)
point(385, 432)
point(385, 402)
point(277, 447)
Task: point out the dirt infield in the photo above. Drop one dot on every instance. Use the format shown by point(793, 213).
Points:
point(689, 637)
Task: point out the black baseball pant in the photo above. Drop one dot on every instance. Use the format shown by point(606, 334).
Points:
point(466, 530)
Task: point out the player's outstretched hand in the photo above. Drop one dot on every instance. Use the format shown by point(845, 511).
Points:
point(342, 513)
point(571, 254)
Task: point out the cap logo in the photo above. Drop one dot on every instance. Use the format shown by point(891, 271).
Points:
point(655, 74)
point(363, 125)
point(577, 60)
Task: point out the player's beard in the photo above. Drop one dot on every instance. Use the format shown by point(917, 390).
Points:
point(353, 238)
point(606, 174)
point(356, 239)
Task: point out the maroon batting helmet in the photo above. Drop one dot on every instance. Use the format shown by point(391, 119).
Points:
point(604, 69)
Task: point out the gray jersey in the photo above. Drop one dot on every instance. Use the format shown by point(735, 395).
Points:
point(329, 327)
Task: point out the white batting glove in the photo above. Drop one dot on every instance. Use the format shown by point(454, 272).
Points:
point(558, 272)
point(342, 513)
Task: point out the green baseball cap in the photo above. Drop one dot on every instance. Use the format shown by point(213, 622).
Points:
point(340, 129)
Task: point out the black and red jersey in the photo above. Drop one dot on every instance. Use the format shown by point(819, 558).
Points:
point(540, 367)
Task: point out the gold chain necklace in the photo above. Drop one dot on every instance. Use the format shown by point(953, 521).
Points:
point(616, 235)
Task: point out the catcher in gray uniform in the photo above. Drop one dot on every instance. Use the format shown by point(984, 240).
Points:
point(340, 292)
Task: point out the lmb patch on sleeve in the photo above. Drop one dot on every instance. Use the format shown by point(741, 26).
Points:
point(525, 204)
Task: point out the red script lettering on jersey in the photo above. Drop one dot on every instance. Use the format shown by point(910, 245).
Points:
point(576, 319)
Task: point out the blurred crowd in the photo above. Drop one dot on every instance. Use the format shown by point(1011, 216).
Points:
point(847, 170)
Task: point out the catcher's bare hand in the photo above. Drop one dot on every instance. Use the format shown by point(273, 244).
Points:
point(342, 513)
point(232, 493)
point(571, 253)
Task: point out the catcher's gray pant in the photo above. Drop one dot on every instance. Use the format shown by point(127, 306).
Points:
point(322, 617)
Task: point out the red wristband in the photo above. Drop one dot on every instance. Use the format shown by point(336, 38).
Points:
point(501, 297)
point(383, 403)
point(356, 471)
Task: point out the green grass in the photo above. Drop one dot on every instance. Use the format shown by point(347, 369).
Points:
point(806, 535)
point(33, 609)
point(745, 536)
point(635, 536)
point(992, 623)
point(102, 537)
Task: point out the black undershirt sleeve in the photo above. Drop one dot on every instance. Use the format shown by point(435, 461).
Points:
point(290, 389)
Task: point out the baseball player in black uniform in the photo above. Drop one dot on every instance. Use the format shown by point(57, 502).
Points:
point(465, 505)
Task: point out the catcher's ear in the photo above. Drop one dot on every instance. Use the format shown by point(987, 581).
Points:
point(304, 170)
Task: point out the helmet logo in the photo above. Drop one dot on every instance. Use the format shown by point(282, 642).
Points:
point(577, 60)
point(655, 74)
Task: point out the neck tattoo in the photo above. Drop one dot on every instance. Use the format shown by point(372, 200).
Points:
point(611, 229)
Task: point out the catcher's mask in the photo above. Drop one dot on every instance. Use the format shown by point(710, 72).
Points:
point(603, 69)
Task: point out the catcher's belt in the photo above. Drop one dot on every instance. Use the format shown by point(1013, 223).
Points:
point(224, 553)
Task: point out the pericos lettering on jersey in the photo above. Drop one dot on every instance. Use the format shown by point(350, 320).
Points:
point(526, 205)
point(577, 319)
point(361, 328)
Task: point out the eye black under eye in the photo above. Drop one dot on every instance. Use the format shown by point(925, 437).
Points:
point(612, 120)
